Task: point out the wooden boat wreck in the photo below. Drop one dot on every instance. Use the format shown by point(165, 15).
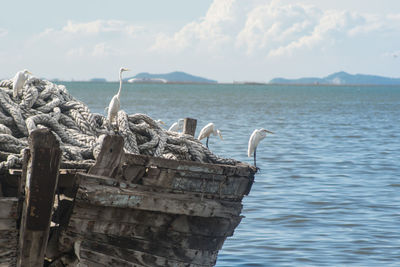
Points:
point(126, 210)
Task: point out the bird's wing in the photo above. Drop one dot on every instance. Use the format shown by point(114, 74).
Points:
point(206, 131)
point(252, 144)
point(18, 83)
point(113, 107)
point(19, 79)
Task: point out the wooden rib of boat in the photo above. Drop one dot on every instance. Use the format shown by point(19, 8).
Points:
point(131, 210)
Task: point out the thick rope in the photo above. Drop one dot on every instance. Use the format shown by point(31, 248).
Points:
point(130, 144)
point(80, 132)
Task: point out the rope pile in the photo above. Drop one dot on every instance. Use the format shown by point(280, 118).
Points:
point(80, 132)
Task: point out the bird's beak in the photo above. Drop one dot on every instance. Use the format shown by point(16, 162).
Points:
point(268, 131)
point(163, 123)
point(29, 72)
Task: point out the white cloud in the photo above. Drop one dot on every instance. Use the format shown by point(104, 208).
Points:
point(283, 29)
point(271, 26)
point(214, 29)
point(96, 39)
point(272, 29)
point(94, 28)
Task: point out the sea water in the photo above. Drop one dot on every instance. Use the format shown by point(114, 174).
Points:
point(328, 190)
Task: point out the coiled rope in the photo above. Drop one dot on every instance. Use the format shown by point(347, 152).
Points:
point(80, 132)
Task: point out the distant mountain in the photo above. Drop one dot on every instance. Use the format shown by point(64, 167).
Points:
point(98, 80)
point(172, 77)
point(341, 78)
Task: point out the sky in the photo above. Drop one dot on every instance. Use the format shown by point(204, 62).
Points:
point(224, 40)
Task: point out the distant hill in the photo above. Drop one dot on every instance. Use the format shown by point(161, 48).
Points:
point(172, 77)
point(341, 78)
point(98, 80)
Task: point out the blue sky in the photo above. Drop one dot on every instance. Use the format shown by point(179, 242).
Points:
point(225, 40)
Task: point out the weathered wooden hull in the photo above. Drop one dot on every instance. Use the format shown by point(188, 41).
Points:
point(156, 212)
point(128, 210)
point(8, 231)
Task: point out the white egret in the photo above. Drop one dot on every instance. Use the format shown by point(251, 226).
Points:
point(255, 138)
point(19, 81)
point(176, 126)
point(113, 108)
point(208, 130)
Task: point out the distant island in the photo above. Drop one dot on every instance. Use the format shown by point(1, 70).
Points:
point(172, 77)
point(341, 78)
point(98, 80)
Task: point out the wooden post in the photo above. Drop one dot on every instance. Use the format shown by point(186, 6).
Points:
point(189, 126)
point(110, 156)
point(41, 182)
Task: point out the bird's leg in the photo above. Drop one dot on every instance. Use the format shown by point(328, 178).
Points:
point(207, 141)
point(255, 155)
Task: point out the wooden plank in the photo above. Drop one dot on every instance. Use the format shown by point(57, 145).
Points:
point(61, 172)
point(110, 155)
point(133, 174)
point(243, 169)
point(66, 178)
point(8, 258)
point(202, 190)
point(163, 235)
point(231, 187)
point(162, 202)
point(7, 235)
point(189, 126)
point(198, 175)
point(8, 239)
point(221, 186)
point(126, 248)
point(93, 258)
point(41, 183)
point(173, 164)
point(9, 245)
point(143, 258)
point(240, 169)
point(213, 226)
point(8, 207)
point(8, 224)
